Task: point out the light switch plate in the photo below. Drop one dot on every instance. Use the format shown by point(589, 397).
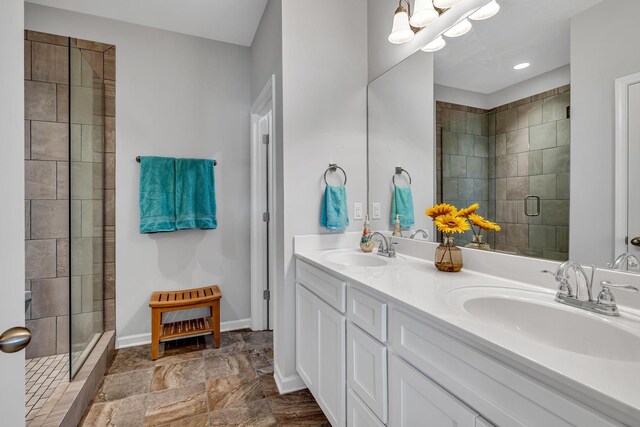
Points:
point(357, 211)
point(375, 207)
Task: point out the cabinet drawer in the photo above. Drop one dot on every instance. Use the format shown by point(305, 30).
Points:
point(367, 370)
point(368, 313)
point(416, 400)
point(481, 381)
point(358, 414)
point(330, 289)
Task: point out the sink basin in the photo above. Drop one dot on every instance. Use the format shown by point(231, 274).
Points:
point(536, 316)
point(357, 260)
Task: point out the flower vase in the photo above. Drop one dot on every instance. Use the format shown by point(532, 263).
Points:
point(448, 256)
point(477, 243)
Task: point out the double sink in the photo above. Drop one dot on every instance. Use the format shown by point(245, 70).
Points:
point(523, 314)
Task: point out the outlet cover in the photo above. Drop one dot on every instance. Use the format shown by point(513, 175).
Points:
point(357, 211)
point(375, 207)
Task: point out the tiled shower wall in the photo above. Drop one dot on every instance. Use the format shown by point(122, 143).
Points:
point(47, 184)
point(528, 151)
point(532, 158)
point(465, 152)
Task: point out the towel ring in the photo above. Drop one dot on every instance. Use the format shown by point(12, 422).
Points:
point(332, 168)
point(399, 171)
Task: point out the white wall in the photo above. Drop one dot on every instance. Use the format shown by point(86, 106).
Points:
point(180, 96)
point(324, 61)
point(384, 55)
point(401, 133)
point(12, 196)
point(538, 84)
point(604, 47)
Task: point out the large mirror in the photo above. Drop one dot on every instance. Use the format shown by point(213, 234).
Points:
point(518, 115)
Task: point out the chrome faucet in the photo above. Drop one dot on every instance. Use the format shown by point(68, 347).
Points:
point(386, 247)
point(604, 304)
point(624, 259)
point(424, 233)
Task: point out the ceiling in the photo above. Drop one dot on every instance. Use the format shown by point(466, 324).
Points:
point(231, 21)
point(534, 31)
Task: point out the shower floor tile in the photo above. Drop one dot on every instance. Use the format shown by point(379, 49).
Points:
point(42, 376)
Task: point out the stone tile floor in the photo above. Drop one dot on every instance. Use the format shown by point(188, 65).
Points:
point(193, 384)
point(42, 376)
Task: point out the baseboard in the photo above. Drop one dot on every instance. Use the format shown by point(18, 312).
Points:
point(288, 384)
point(142, 339)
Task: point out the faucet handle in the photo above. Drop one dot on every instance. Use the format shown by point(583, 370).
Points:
point(564, 288)
point(605, 297)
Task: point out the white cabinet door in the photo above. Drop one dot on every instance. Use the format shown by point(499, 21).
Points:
point(415, 400)
point(367, 370)
point(331, 382)
point(358, 414)
point(307, 337)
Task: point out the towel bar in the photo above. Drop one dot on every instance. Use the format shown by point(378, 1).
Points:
point(215, 162)
point(399, 170)
point(332, 168)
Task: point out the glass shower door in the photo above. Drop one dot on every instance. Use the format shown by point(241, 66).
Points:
point(86, 110)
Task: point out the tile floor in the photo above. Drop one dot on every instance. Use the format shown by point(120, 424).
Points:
point(193, 384)
point(42, 376)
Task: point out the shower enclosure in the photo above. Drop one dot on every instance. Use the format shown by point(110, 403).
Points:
point(514, 161)
point(68, 101)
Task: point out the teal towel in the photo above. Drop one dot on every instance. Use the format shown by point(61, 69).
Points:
point(334, 214)
point(157, 194)
point(402, 204)
point(195, 194)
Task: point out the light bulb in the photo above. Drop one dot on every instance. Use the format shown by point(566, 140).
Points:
point(401, 32)
point(460, 29)
point(444, 4)
point(423, 14)
point(437, 44)
point(486, 11)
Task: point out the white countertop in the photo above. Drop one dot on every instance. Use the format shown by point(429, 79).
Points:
point(416, 284)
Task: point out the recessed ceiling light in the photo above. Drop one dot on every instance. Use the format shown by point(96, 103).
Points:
point(521, 66)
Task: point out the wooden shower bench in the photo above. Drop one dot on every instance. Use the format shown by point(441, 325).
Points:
point(162, 302)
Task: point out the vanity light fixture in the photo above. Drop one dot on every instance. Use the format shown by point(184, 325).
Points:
point(460, 29)
point(437, 44)
point(401, 31)
point(486, 11)
point(423, 14)
point(521, 66)
point(443, 4)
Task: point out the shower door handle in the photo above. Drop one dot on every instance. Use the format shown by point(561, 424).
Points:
point(526, 206)
point(15, 339)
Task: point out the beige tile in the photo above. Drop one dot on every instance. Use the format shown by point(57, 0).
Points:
point(109, 314)
point(176, 404)
point(535, 162)
point(518, 141)
point(110, 207)
point(120, 386)
point(109, 280)
point(564, 132)
point(62, 180)
point(124, 412)
point(530, 114)
point(43, 337)
point(40, 179)
point(555, 212)
point(109, 98)
point(49, 63)
point(110, 171)
point(91, 45)
point(82, 256)
point(543, 186)
point(40, 259)
point(27, 219)
point(501, 189)
point(110, 134)
point(501, 144)
point(82, 180)
point(543, 136)
point(87, 105)
point(109, 244)
point(62, 258)
point(49, 141)
point(542, 237)
point(523, 164)
point(110, 63)
point(555, 108)
point(62, 93)
point(27, 139)
point(556, 160)
point(517, 188)
point(40, 101)
point(517, 235)
point(49, 219)
point(562, 186)
point(95, 60)
point(62, 333)
point(27, 60)
point(506, 121)
point(47, 38)
point(178, 374)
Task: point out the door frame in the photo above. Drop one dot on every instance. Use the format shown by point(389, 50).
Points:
point(621, 179)
point(260, 261)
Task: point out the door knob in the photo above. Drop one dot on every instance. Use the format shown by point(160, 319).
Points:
point(14, 339)
point(635, 241)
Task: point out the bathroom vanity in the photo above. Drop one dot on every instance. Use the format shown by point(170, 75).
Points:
point(391, 341)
